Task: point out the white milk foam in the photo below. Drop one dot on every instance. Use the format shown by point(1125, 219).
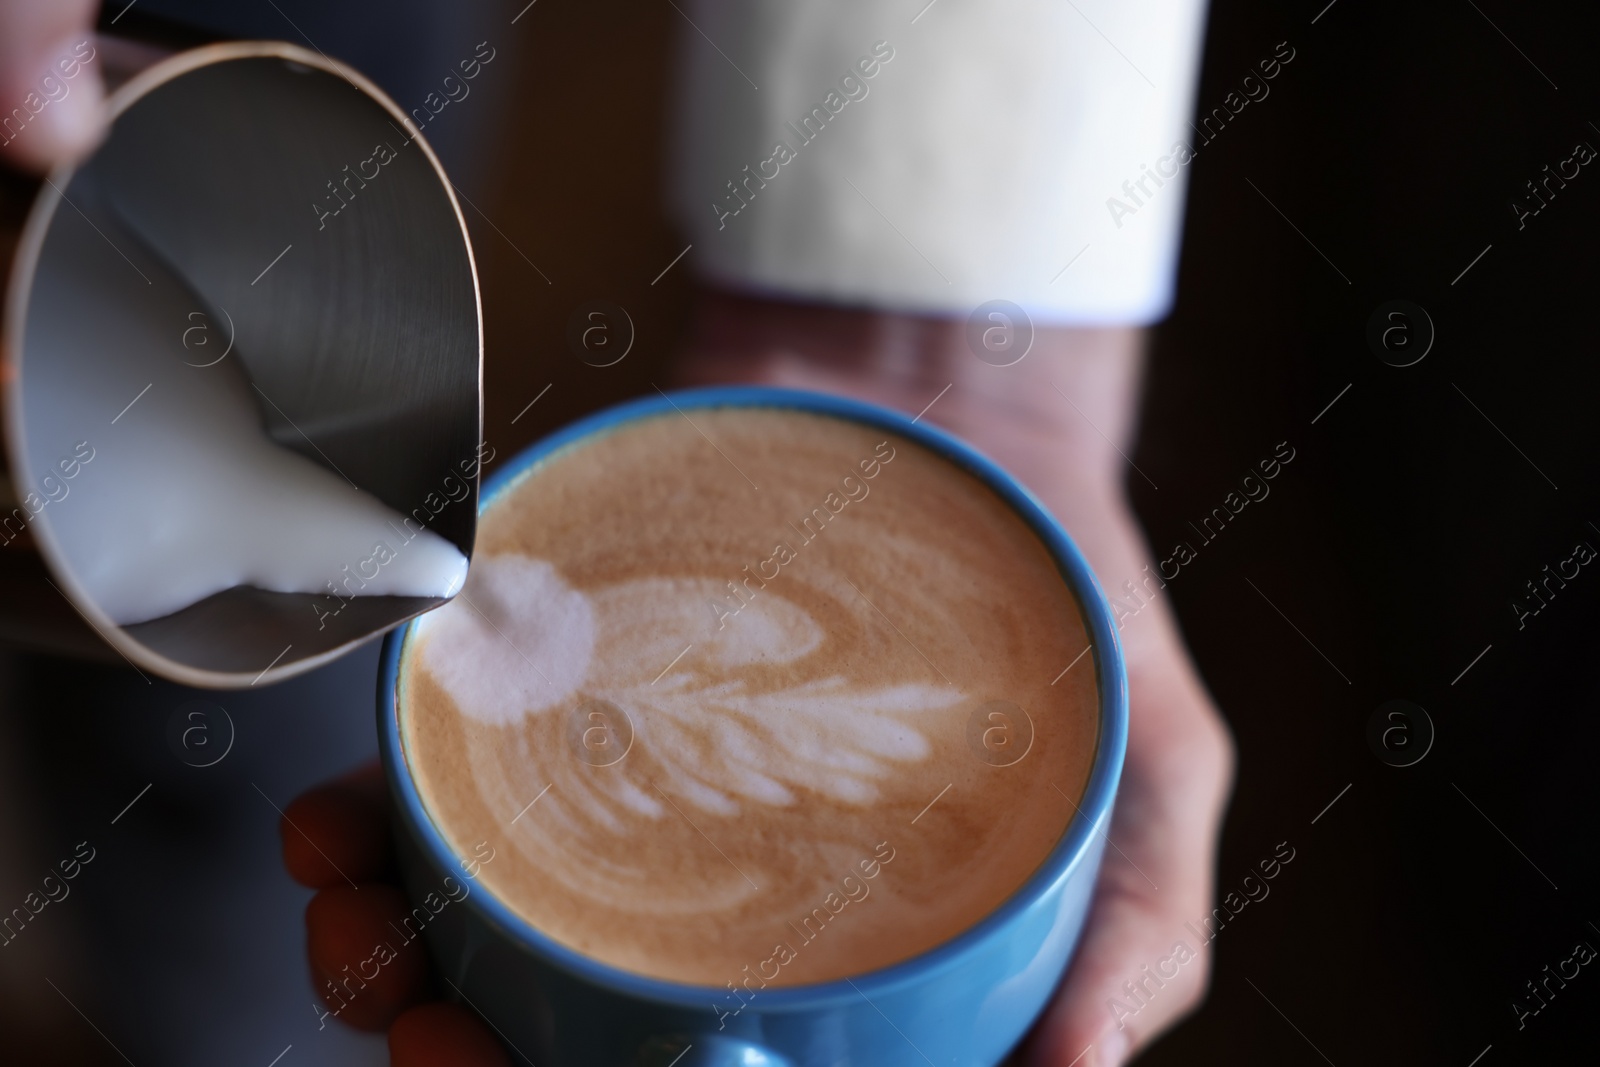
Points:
point(187, 495)
point(521, 642)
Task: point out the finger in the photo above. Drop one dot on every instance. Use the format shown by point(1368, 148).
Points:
point(53, 97)
point(443, 1035)
point(362, 964)
point(1143, 963)
point(338, 833)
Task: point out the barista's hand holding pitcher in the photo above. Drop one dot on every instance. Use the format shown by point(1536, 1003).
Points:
point(1179, 758)
point(42, 78)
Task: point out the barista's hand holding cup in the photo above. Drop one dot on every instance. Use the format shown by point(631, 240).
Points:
point(753, 734)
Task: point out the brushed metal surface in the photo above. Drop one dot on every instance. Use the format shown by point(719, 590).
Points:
point(365, 332)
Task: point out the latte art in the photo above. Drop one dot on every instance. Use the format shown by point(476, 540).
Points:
point(673, 788)
point(710, 735)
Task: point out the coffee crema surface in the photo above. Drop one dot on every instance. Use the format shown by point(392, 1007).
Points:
point(763, 699)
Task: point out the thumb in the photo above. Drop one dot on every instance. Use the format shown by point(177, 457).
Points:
point(52, 99)
point(1145, 958)
point(1137, 971)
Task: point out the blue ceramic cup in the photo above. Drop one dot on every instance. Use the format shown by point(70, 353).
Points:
point(965, 1002)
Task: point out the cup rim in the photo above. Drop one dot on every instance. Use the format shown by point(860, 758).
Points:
point(1064, 857)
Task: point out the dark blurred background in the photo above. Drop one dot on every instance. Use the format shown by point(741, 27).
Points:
point(1383, 566)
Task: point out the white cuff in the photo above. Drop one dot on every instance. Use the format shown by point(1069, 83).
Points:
point(854, 151)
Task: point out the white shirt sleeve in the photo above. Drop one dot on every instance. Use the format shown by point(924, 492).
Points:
point(861, 152)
